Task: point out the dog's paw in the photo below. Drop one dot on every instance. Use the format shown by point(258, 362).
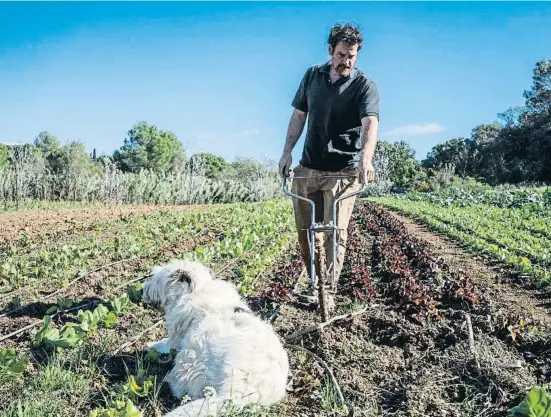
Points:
point(160, 346)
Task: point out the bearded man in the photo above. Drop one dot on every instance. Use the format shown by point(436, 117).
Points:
point(341, 104)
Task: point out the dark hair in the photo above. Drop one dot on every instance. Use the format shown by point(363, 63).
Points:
point(347, 33)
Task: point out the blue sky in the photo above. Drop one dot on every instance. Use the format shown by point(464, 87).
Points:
point(221, 76)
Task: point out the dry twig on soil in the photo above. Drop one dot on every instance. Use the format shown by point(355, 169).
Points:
point(30, 326)
point(471, 340)
point(74, 281)
point(132, 281)
point(320, 326)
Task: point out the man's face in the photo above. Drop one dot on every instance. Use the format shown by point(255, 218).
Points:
point(343, 58)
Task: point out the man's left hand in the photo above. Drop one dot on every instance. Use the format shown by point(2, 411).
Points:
point(366, 172)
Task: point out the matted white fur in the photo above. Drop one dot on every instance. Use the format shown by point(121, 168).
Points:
point(220, 343)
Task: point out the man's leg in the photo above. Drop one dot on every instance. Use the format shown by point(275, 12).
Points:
point(333, 190)
point(306, 187)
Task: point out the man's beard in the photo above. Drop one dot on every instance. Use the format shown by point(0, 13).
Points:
point(343, 69)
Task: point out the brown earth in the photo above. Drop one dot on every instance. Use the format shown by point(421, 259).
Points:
point(388, 365)
point(14, 226)
point(95, 286)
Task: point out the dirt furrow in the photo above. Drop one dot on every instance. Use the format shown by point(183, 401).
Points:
point(96, 286)
point(494, 279)
point(30, 225)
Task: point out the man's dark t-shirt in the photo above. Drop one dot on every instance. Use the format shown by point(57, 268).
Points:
point(334, 111)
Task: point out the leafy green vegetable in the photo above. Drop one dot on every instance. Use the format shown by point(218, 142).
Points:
point(536, 403)
point(134, 292)
point(51, 338)
point(120, 305)
point(117, 409)
point(11, 366)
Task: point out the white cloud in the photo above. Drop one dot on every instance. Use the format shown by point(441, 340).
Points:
point(422, 129)
point(11, 143)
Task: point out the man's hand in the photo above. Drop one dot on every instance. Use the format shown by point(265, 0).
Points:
point(285, 164)
point(366, 172)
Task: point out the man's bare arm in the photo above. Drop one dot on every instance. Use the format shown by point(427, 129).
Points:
point(296, 126)
point(370, 128)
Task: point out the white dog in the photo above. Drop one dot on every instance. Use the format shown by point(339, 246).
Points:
point(220, 343)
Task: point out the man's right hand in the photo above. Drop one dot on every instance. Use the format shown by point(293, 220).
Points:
point(285, 164)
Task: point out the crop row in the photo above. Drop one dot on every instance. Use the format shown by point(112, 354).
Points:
point(419, 282)
point(253, 238)
point(140, 239)
point(496, 228)
point(526, 253)
point(529, 198)
point(238, 229)
point(135, 237)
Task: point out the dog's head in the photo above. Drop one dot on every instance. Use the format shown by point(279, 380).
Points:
point(175, 279)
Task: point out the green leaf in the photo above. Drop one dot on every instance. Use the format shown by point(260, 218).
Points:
point(110, 320)
point(536, 403)
point(51, 310)
point(19, 366)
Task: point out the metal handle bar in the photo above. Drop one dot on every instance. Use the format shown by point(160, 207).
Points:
point(313, 226)
point(343, 197)
point(327, 176)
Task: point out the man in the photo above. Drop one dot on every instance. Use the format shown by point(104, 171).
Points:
point(341, 104)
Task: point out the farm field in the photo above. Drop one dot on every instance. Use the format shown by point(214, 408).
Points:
point(18, 228)
point(72, 323)
point(517, 232)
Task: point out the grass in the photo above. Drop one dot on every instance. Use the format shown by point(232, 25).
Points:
point(67, 379)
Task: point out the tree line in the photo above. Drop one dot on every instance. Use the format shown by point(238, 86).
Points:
point(146, 147)
point(514, 149)
point(152, 165)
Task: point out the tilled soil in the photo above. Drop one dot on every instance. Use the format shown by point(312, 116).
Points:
point(388, 364)
point(55, 223)
point(518, 293)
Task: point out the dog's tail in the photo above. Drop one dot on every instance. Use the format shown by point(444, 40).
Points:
point(204, 407)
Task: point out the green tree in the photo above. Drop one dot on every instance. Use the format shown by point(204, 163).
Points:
point(247, 168)
point(454, 151)
point(47, 143)
point(50, 148)
point(209, 164)
point(147, 147)
point(538, 98)
point(73, 157)
point(402, 167)
point(537, 122)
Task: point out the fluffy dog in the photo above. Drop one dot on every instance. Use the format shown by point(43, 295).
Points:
point(220, 343)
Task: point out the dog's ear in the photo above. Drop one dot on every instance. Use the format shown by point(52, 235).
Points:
point(183, 276)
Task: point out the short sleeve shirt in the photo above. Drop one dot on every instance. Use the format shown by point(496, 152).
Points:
point(335, 111)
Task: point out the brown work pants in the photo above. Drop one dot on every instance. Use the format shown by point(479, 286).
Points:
point(324, 191)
